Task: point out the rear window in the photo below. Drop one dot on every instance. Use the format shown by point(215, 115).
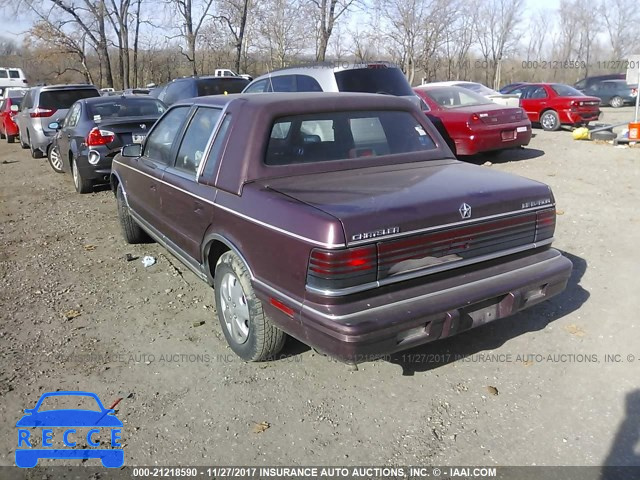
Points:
point(16, 101)
point(344, 135)
point(566, 91)
point(477, 88)
point(63, 99)
point(374, 80)
point(219, 86)
point(126, 107)
point(456, 97)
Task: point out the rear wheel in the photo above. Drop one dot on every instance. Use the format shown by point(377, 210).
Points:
point(616, 102)
point(22, 143)
point(248, 331)
point(550, 121)
point(131, 231)
point(11, 138)
point(55, 160)
point(82, 184)
point(35, 153)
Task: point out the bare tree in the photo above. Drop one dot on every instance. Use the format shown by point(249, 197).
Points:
point(496, 34)
point(118, 16)
point(327, 13)
point(236, 21)
point(282, 27)
point(621, 19)
point(191, 20)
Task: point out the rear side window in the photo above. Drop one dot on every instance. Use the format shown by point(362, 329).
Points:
point(283, 83)
point(220, 86)
point(344, 135)
point(14, 74)
point(63, 99)
point(306, 83)
point(177, 91)
point(196, 138)
point(374, 80)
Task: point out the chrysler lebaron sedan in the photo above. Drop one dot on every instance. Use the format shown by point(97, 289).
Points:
point(340, 219)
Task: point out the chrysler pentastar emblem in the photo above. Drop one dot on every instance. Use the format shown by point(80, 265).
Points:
point(465, 210)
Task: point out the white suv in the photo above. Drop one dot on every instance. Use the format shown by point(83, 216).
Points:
point(12, 77)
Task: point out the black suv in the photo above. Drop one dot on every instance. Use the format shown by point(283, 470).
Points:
point(189, 87)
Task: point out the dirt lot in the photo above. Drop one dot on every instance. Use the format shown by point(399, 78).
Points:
point(534, 389)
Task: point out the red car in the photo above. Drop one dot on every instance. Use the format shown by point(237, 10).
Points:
point(9, 107)
point(472, 123)
point(554, 104)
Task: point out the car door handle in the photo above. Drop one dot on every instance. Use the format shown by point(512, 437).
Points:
point(153, 187)
point(197, 207)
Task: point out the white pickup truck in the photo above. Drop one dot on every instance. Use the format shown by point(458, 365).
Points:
point(225, 72)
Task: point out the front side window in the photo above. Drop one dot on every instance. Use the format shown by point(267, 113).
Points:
point(220, 86)
point(196, 138)
point(344, 135)
point(160, 140)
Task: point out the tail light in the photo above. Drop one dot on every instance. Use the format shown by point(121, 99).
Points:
point(521, 115)
point(42, 112)
point(99, 137)
point(545, 224)
point(332, 269)
point(473, 119)
point(634, 92)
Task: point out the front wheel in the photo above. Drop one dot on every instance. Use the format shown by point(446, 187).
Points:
point(616, 102)
point(82, 184)
point(131, 231)
point(55, 160)
point(550, 121)
point(248, 331)
point(11, 138)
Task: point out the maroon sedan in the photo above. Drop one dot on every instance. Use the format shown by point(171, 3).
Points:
point(9, 107)
point(472, 123)
point(555, 104)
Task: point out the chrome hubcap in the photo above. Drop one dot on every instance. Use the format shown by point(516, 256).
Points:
point(548, 121)
point(55, 159)
point(616, 102)
point(235, 310)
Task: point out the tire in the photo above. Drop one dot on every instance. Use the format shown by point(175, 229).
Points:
point(248, 331)
point(54, 159)
point(131, 231)
point(34, 153)
point(616, 102)
point(604, 136)
point(22, 144)
point(2, 136)
point(82, 184)
point(11, 138)
point(550, 121)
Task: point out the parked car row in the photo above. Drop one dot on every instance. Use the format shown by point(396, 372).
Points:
point(391, 241)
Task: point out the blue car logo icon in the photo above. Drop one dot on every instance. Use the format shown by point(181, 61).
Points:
point(70, 419)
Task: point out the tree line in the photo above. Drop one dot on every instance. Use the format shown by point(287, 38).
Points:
point(129, 43)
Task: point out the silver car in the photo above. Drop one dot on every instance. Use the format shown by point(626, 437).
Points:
point(371, 77)
point(43, 105)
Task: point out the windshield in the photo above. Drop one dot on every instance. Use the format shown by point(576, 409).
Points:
point(477, 88)
point(344, 135)
point(126, 107)
point(390, 81)
point(566, 91)
point(456, 97)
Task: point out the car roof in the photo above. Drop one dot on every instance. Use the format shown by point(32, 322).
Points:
point(315, 101)
point(67, 86)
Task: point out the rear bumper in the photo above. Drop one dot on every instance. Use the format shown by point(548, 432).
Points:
point(402, 319)
point(488, 140)
point(577, 117)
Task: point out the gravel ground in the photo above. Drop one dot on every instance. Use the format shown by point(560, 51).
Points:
point(533, 389)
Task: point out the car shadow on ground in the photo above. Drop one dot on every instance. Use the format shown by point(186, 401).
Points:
point(504, 156)
point(626, 444)
point(495, 334)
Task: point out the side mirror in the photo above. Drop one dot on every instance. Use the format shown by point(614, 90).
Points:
point(54, 126)
point(15, 108)
point(133, 150)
